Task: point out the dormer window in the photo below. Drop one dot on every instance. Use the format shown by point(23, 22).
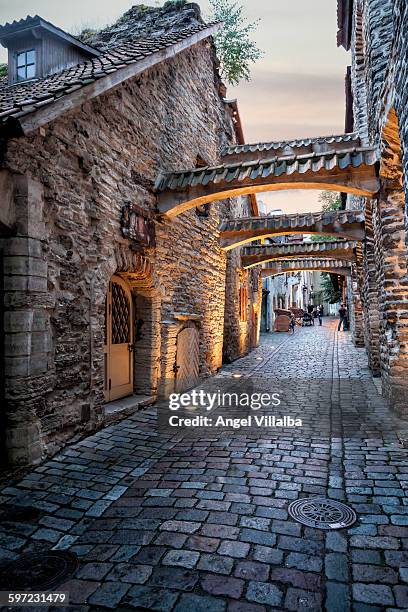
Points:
point(26, 65)
point(37, 48)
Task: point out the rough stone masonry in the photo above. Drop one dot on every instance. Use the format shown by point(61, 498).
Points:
point(68, 182)
point(379, 45)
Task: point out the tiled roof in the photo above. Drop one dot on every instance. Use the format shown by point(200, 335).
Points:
point(293, 144)
point(271, 167)
point(294, 221)
point(253, 256)
point(16, 101)
point(281, 266)
point(308, 249)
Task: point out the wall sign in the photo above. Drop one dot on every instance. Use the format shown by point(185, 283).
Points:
point(137, 226)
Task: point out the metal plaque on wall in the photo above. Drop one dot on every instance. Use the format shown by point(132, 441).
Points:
point(137, 226)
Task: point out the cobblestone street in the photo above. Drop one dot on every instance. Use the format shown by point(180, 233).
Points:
point(167, 521)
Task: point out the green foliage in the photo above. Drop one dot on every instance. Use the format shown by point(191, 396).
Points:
point(330, 288)
point(3, 70)
point(235, 49)
point(318, 297)
point(330, 200)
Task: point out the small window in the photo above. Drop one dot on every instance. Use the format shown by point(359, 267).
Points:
point(243, 302)
point(26, 65)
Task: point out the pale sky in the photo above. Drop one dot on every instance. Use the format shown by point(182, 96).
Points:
point(296, 90)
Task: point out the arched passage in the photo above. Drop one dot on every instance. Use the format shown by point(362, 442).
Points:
point(334, 266)
point(256, 255)
point(333, 167)
point(346, 224)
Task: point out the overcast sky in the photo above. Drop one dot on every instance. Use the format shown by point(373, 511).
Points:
point(297, 88)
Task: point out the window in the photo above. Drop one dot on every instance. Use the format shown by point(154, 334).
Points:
point(243, 300)
point(26, 65)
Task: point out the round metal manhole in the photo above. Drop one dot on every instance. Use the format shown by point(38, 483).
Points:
point(322, 513)
point(39, 571)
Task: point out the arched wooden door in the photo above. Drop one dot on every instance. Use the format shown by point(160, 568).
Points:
point(118, 340)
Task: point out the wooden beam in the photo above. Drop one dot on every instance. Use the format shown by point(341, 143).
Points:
point(232, 240)
point(276, 272)
point(358, 181)
point(250, 261)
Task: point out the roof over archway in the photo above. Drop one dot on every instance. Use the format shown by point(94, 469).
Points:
point(298, 146)
point(255, 255)
point(336, 266)
point(348, 224)
point(337, 163)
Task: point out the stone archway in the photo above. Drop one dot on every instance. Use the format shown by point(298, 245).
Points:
point(344, 224)
point(136, 271)
point(262, 254)
point(342, 164)
point(334, 266)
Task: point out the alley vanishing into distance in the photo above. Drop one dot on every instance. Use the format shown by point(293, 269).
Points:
point(176, 521)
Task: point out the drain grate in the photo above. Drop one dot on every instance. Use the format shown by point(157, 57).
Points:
point(38, 571)
point(322, 513)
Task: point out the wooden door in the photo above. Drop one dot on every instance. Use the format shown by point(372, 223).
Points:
point(187, 359)
point(118, 341)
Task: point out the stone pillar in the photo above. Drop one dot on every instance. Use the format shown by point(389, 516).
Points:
point(27, 342)
point(391, 262)
point(357, 324)
point(371, 309)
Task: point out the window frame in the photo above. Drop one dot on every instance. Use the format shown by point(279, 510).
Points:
point(26, 64)
point(243, 304)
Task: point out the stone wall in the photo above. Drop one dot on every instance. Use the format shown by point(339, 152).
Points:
point(369, 293)
point(71, 180)
point(379, 78)
point(241, 334)
point(354, 283)
point(400, 56)
point(378, 38)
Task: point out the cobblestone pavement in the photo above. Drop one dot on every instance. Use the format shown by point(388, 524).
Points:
point(172, 521)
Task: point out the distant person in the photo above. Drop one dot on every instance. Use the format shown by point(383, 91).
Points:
point(292, 323)
point(342, 317)
point(320, 313)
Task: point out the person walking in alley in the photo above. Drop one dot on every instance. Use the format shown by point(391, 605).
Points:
point(343, 317)
point(292, 323)
point(320, 313)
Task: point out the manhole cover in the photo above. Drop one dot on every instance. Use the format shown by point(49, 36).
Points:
point(322, 513)
point(39, 571)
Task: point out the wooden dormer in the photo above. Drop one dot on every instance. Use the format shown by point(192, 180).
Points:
point(37, 48)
